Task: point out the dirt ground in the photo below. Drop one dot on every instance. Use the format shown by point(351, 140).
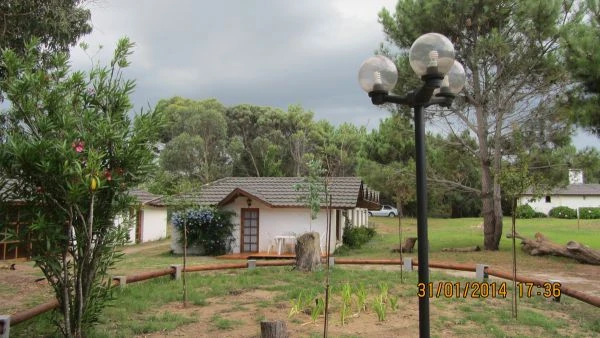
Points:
point(241, 313)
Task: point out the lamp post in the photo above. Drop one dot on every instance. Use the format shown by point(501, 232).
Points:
point(432, 58)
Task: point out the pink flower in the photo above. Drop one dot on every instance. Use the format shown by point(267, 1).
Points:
point(78, 146)
point(108, 175)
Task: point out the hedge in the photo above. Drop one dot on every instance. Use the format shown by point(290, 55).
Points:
point(563, 212)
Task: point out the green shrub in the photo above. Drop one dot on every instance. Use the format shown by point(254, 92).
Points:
point(563, 212)
point(589, 213)
point(209, 228)
point(540, 215)
point(355, 237)
point(525, 211)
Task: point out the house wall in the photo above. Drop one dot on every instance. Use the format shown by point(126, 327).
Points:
point(154, 223)
point(282, 221)
point(573, 202)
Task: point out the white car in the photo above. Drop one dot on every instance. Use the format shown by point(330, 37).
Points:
point(386, 210)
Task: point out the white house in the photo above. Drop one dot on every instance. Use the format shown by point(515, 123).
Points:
point(149, 218)
point(575, 195)
point(270, 213)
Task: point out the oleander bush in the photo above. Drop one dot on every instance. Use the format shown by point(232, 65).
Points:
point(563, 212)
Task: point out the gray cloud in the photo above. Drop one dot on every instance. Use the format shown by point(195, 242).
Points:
point(263, 52)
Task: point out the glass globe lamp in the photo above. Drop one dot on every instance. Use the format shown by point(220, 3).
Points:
point(377, 74)
point(431, 53)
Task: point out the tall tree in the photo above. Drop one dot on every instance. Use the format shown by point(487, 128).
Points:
point(196, 143)
point(388, 163)
point(510, 51)
point(58, 24)
point(455, 175)
point(74, 152)
point(583, 58)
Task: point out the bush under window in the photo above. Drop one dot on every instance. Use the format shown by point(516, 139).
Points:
point(563, 212)
point(208, 228)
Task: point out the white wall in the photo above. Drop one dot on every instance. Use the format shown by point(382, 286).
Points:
point(573, 202)
point(154, 223)
point(281, 221)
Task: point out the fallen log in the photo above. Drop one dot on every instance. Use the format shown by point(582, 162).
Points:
point(467, 249)
point(541, 246)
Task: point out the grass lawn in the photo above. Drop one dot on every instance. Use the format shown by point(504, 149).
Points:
point(231, 303)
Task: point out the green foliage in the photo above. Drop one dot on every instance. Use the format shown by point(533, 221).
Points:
point(361, 297)
point(581, 41)
point(379, 307)
point(346, 295)
point(74, 152)
point(589, 213)
point(355, 237)
point(314, 186)
point(317, 309)
point(196, 145)
point(525, 211)
point(563, 212)
point(511, 51)
point(210, 229)
point(57, 24)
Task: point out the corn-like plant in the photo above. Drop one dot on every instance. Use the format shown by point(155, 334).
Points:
point(317, 309)
point(394, 303)
point(346, 302)
point(361, 298)
point(383, 291)
point(379, 307)
point(298, 305)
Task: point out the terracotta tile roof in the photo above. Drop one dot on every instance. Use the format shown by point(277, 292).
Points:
point(575, 190)
point(279, 191)
point(146, 198)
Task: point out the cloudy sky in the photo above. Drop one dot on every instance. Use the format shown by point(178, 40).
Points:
point(262, 52)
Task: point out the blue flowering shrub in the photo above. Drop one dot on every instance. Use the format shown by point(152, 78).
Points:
point(208, 228)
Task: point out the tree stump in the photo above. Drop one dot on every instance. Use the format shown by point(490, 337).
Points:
point(407, 246)
point(276, 329)
point(308, 252)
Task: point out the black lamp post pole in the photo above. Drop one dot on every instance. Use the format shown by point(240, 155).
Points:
point(423, 247)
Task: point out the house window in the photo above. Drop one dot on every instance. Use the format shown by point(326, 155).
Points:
point(548, 199)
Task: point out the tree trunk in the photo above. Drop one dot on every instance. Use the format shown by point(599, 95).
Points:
point(308, 252)
point(276, 329)
point(541, 246)
point(488, 208)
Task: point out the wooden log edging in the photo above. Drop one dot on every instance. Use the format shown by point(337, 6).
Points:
point(564, 290)
point(25, 315)
point(21, 316)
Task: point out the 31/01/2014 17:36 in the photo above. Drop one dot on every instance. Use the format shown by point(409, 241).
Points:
point(486, 290)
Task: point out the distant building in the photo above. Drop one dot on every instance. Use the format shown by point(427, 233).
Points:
point(575, 195)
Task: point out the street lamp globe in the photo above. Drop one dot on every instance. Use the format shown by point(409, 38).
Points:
point(431, 53)
point(377, 74)
point(453, 82)
point(455, 78)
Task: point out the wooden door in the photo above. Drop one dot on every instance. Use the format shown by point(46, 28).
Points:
point(249, 238)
